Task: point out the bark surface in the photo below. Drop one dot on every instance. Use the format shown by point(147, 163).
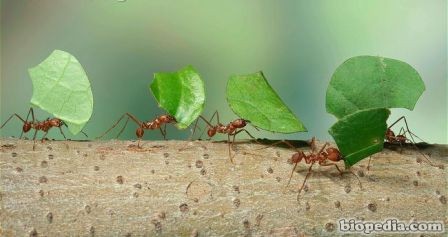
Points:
point(110, 188)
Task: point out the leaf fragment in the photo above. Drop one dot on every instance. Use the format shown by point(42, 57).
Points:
point(61, 87)
point(181, 94)
point(365, 82)
point(360, 134)
point(251, 97)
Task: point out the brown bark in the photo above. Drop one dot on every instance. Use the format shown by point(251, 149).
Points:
point(98, 188)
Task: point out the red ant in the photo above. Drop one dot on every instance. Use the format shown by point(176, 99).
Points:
point(326, 157)
point(44, 126)
point(149, 125)
point(402, 140)
point(231, 129)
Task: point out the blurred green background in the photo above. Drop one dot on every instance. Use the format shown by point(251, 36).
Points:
point(298, 44)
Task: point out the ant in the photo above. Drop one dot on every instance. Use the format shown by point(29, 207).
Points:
point(402, 140)
point(148, 125)
point(231, 129)
point(44, 126)
point(324, 157)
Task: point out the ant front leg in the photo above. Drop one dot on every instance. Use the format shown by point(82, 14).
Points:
point(60, 130)
point(164, 131)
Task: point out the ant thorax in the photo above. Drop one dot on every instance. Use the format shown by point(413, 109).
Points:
point(151, 124)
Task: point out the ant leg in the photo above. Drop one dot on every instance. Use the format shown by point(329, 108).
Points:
point(213, 115)
point(323, 147)
point(164, 131)
point(10, 117)
point(190, 138)
point(421, 153)
point(230, 153)
point(278, 142)
point(292, 172)
point(118, 121)
point(250, 135)
point(26, 120)
point(43, 137)
point(34, 139)
point(341, 173)
point(60, 129)
point(313, 144)
point(368, 165)
point(335, 165)
point(122, 129)
point(304, 181)
point(85, 134)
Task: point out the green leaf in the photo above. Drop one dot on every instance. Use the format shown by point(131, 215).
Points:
point(252, 98)
point(61, 87)
point(181, 94)
point(360, 134)
point(366, 82)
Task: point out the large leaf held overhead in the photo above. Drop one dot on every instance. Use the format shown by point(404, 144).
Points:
point(61, 87)
point(252, 98)
point(360, 134)
point(181, 94)
point(366, 82)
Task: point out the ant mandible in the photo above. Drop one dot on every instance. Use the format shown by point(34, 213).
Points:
point(44, 126)
point(231, 129)
point(142, 126)
point(325, 157)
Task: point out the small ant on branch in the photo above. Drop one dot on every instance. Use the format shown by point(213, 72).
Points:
point(402, 140)
point(44, 126)
point(324, 157)
point(231, 129)
point(142, 126)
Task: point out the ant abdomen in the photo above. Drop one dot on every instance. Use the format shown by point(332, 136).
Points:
point(139, 132)
point(26, 127)
point(211, 132)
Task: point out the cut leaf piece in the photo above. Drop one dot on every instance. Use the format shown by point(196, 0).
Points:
point(181, 94)
point(360, 134)
point(252, 98)
point(366, 82)
point(61, 87)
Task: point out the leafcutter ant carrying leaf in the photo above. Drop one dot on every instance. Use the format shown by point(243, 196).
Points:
point(44, 126)
point(231, 129)
point(326, 156)
point(180, 93)
point(142, 126)
point(403, 138)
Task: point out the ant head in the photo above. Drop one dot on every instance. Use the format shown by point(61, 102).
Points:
point(26, 127)
point(55, 122)
point(167, 118)
point(333, 154)
point(390, 133)
point(211, 132)
point(240, 123)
